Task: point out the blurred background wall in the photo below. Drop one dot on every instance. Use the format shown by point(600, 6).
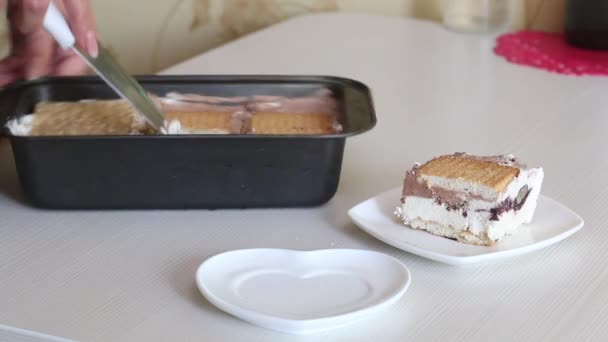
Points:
point(149, 35)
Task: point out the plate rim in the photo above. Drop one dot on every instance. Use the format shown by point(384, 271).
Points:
point(300, 326)
point(466, 259)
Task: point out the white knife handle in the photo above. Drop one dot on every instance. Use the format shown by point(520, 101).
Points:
point(55, 23)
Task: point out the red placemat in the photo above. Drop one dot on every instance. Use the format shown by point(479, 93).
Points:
point(550, 51)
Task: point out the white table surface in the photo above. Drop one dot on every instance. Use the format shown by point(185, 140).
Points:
point(126, 276)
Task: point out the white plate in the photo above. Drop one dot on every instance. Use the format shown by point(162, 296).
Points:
point(552, 223)
point(302, 292)
point(8, 333)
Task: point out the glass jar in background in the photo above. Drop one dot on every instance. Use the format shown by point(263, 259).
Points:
point(480, 16)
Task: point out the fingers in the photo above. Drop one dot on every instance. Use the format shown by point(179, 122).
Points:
point(82, 21)
point(10, 63)
point(10, 70)
point(6, 79)
point(34, 52)
point(30, 42)
point(38, 55)
point(28, 14)
point(70, 65)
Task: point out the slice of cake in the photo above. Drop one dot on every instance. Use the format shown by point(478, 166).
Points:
point(292, 123)
point(471, 199)
point(200, 122)
point(109, 117)
point(315, 114)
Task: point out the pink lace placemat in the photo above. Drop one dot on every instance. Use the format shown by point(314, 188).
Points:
point(551, 52)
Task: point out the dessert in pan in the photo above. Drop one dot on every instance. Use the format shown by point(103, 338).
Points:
point(186, 114)
point(472, 199)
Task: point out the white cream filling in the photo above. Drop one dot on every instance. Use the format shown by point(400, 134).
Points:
point(533, 178)
point(174, 127)
point(171, 127)
point(417, 211)
point(21, 126)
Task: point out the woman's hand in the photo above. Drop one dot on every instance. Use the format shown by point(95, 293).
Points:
point(34, 53)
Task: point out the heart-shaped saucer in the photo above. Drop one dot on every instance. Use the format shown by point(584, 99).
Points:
point(302, 292)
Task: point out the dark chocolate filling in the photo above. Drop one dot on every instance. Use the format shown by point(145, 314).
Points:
point(451, 207)
point(462, 207)
point(510, 204)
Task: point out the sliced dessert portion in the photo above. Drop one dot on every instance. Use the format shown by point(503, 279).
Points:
point(472, 199)
point(316, 114)
point(257, 114)
point(100, 117)
point(201, 122)
point(199, 114)
point(292, 123)
point(186, 114)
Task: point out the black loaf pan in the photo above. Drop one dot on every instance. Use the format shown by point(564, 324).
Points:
point(186, 171)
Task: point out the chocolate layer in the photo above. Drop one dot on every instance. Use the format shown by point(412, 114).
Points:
point(170, 105)
point(308, 105)
point(413, 186)
point(198, 98)
point(319, 103)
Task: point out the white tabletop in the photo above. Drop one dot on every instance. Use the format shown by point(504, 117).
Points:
point(125, 276)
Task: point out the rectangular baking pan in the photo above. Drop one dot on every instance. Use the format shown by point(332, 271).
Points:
point(185, 171)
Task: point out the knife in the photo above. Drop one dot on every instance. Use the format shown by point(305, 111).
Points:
point(106, 67)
